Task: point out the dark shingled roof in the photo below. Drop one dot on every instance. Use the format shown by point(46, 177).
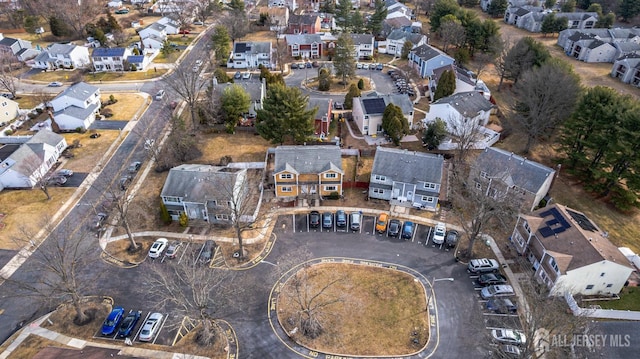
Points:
point(468, 104)
point(408, 166)
point(307, 159)
point(200, 183)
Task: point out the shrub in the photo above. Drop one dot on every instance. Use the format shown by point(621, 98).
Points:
point(164, 214)
point(8, 132)
point(112, 99)
point(361, 84)
point(184, 220)
point(80, 130)
point(334, 195)
point(107, 112)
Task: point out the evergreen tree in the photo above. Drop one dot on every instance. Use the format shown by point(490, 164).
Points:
point(113, 23)
point(524, 55)
point(568, 6)
point(165, 217)
point(343, 15)
point(343, 61)
point(394, 124)
point(357, 22)
point(606, 21)
point(561, 23)
point(100, 36)
point(236, 5)
point(348, 98)
point(377, 18)
point(234, 101)
point(406, 49)
point(221, 43)
point(31, 23)
point(629, 9)
point(284, 115)
point(497, 7)
point(324, 79)
point(433, 135)
point(548, 24)
point(440, 9)
point(549, 4)
point(58, 27)
point(446, 85)
point(361, 84)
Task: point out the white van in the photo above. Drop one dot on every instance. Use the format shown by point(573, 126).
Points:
point(160, 95)
point(354, 220)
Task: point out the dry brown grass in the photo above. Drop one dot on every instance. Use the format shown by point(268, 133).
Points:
point(28, 101)
point(188, 345)
point(120, 249)
point(349, 167)
point(62, 319)
point(379, 311)
point(364, 169)
point(336, 83)
point(126, 107)
point(260, 36)
point(241, 146)
point(32, 345)
point(86, 157)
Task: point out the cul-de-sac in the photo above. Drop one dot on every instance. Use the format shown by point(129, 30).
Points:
point(341, 179)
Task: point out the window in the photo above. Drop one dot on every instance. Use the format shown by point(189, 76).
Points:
point(330, 175)
point(609, 285)
point(430, 185)
point(286, 189)
point(330, 188)
point(378, 190)
point(427, 199)
point(286, 176)
point(483, 174)
point(213, 202)
point(478, 185)
point(380, 178)
point(229, 204)
point(590, 286)
point(602, 274)
point(554, 265)
point(525, 224)
point(172, 199)
point(222, 217)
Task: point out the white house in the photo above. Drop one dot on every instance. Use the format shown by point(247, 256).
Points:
point(627, 69)
point(116, 4)
point(9, 109)
point(76, 107)
point(569, 253)
point(395, 41)
point(62, 56)
point(154, 29)
point(153, 42)
point(367, 111)
point(30, 160)
point(250, 55)
point(461, 112)
point(21, 49)
point(110, 59)
point(363, 46)
point(171, 27)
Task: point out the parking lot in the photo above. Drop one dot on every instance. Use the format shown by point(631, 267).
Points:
point(162, 334)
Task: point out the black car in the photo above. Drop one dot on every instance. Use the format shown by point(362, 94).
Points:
point(451, 240)
point(341, 219)
point(128, 323)
point(99, 220)
point(314, 219)
point(134, 166)
point(327, 220)
point(124, 182)
point(394, 227)
point(502, 306)
point(491, 279)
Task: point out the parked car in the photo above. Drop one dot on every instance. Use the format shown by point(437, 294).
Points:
point(509, 336)
point(246, 75)
point(207, 251)
point(7, 95)
point(354, 220)
point(237, 75)
point(195, 69)
point(198, 23)
point(113, 319)
point(160, 95)
point(158, 247)
point(483, 265)
point(394, 227)
point(379, 67)
point(99, 220)
point(341, 219)
point(314, 219)
point(452, 239)
point(365, 66)
point(327, 220)
point(172, 250)
point(150, 327)
point(491, 279)
point(135, 166)
point(301, 65)
point(381, 223)
point(499, 290)
point(315, 64)
point(502, 306)
point(64, 173)
point(439, 233)
point(338, 106)
point(122, 11)
point(407, 230)
point(55, 84)
point(95, 135)
point(56, 180)
point(511, 351)
point(358, 65)
point(308, 65)
point(184, 32)
point(128, 323)
point(198, 63)
point(124, 182)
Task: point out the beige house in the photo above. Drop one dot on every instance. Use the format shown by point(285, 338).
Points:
point(8, 109)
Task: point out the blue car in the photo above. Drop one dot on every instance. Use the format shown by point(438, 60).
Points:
point(128, 323)
point(111, 323)
point(407, 230)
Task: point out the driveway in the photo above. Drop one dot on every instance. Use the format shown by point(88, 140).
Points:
point(108, 125)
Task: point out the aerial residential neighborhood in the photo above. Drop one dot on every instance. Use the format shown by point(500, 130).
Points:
point(302, 178)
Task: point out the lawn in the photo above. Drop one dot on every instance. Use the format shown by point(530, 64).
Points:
point(336, 83)
point(151, 73)
point(167, 59)
point(28, 101)
point(127, 105)
point(243, 146)
point(629, 300)
point(377, 311)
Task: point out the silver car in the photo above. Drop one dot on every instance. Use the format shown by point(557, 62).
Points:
point(150, 327)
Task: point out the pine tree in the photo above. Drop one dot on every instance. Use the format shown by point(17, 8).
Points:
point(284, 115)
point(394, 124)
point(343, 61)
point(348, 98)
point(446, 85)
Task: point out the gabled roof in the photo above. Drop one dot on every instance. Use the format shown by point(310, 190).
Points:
point(407, 166)
point(303, 19)
point(252, 47)
point(308, 159)
point(512, 169)
point(303, 39)
point(597, 43)
point(630, 57)
point(8, 41)
point(321, 103)
point(375, 103)
point(628, 47)
point(78, 112)
point(580, 36)
point(61, 49)
point(468, 104)
point(29, 156)
point(569, 232)
point(252, 88)
point(572, 16)
point(108, 52)
point(360, 39)
point(201, 183)
point(427, 52)
point(81, 91)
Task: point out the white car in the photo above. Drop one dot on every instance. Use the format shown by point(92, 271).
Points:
point(509, 336)
point(439, 233)
point(365, 66)
point(499, 290)
point(150, 327)
point(158, 247)
point(198, 63)
point(358, 65)
point(246, 75)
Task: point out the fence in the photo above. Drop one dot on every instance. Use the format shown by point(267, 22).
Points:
point(352, 184)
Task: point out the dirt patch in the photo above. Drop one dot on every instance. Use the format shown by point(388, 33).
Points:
point(378, 311)
point(188, 345)
point(122, 249)
point(63, 319)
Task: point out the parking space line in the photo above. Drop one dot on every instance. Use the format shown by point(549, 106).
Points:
point(141, 325)
point(164, 321)
point(183, 252)
point(500, 315)
point(294, 222)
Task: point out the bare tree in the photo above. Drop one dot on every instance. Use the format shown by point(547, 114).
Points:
point(120, 198)
point(194, 290)
point(120, 37)
point(7, 80)
point(206, 8)
point(452, 33)
point(61, 265)
point(236, 23)
point(188, 84)
point(478, 208)
point(34, 171)
point(282, 55)
point(76, 14)
point(500, 61)
point(466, 133)
point(179, 148)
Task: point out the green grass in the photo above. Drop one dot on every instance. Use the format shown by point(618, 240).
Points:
point(629, 300)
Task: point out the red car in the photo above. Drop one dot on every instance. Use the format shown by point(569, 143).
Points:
point(184, 32)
